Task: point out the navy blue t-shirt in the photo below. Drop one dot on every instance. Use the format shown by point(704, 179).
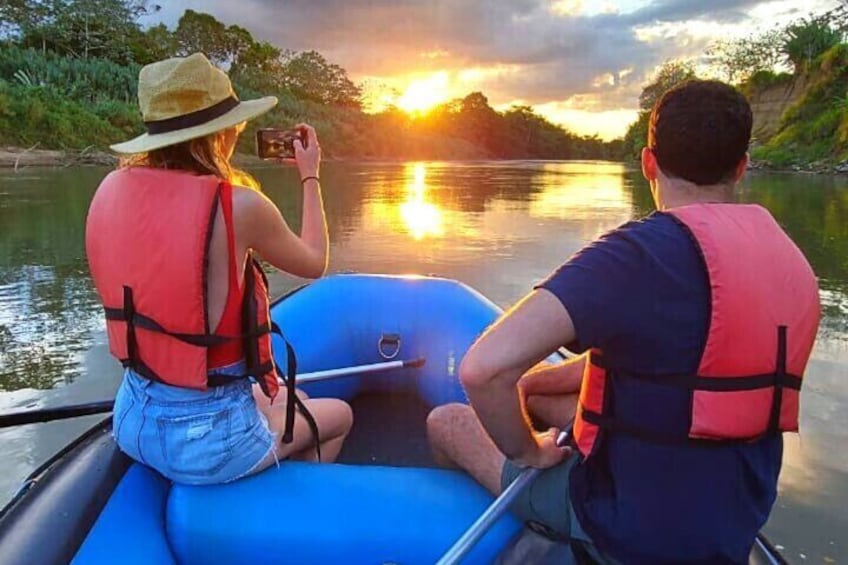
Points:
point(641, 294)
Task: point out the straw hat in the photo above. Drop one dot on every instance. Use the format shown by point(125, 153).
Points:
point(185, 98)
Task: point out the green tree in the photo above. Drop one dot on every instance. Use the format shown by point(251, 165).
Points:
point(478, 122)
point(224, 45)
point(669, 75)
point(259, 67)
point(14, 14)
point(310, 76)
point(78, 28)
point(809, 38)
point(154, 44)
point(198, 32)
point(738, 59)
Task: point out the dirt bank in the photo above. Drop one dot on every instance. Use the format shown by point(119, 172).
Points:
point(19, 158)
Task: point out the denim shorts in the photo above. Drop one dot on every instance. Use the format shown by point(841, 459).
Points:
point(191, 436)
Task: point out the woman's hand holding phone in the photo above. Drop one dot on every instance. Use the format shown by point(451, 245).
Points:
point(308, 158)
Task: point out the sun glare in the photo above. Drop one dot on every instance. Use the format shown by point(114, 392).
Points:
point(422, 218)
point(423, 94)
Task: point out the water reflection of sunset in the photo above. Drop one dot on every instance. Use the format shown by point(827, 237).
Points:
point(405, 205)
point(420, 217)
point(571, 192)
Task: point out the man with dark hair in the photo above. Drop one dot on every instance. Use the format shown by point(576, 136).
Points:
point(697, 323)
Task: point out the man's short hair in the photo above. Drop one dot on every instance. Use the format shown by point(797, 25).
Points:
point(700, 130)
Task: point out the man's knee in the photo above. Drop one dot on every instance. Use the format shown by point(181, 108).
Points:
point(441, 420)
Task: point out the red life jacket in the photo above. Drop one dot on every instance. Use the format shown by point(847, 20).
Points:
point(763, 322)
point(147, 239)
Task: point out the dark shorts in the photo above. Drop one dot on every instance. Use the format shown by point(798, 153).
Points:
point(546, 505)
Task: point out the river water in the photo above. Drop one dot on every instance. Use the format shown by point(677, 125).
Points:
point(497, 226)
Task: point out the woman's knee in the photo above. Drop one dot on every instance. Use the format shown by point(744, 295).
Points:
point(334, 417)
point(344, 413)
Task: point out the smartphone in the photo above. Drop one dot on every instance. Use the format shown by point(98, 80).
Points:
point(272, 143)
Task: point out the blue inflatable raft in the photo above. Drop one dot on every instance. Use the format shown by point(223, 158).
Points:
point(383, 502)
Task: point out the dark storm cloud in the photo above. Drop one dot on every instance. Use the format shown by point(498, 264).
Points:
point(557, 55)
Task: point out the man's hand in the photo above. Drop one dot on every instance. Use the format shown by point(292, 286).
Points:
point(546, 453)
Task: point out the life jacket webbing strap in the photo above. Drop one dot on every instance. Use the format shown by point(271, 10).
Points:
point(313, 425)
point(779, 377)
point(615, 426)
point(140, 368)
point(200, 340)
point(291, 377)
point(129, 312)
point(254, 372)
point(292, 400)
point(716, 384)
point(713, 384)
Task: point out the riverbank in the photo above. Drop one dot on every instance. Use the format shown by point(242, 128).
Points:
point(18, 158)
point(817, 168)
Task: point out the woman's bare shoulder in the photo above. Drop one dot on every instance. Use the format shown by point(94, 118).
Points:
point(249, 200)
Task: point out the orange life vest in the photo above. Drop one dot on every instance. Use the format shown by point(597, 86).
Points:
point(763, 322)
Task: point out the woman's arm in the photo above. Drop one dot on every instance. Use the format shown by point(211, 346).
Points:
point(267, 232)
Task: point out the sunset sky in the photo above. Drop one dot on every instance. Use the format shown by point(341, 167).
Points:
point(579, 63)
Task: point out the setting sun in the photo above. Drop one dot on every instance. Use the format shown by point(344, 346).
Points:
point(423, 94)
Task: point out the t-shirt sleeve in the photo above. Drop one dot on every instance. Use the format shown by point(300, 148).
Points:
point(599, 286)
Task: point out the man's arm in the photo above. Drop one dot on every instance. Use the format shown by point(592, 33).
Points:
point(529, 332)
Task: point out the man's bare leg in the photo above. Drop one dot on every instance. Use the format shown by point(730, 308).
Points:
point(552, 410)
point(457, 437)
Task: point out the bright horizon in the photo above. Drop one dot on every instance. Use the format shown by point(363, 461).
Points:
point(579, 64)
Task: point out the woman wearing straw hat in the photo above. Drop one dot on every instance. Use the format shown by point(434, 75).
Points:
point(169, 239)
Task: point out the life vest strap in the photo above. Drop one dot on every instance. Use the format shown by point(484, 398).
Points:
point(135, 319)
point(616, 426)
point(313, 425)
point(128, 311)
point(780, 376)
point(719, 384)
point(293, 402)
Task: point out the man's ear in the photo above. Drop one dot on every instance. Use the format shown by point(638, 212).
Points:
point(649, 165)
point(741, 167)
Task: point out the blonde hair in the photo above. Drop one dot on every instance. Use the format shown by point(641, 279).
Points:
point(202, 156)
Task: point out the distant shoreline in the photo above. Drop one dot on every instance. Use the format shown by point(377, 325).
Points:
point(18, 158)
point(21, 158)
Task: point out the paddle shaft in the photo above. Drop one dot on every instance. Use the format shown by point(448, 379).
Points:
point(77, 410)
point(494, 512)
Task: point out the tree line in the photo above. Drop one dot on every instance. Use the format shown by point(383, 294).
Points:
point(812, 49)
point(68, 70)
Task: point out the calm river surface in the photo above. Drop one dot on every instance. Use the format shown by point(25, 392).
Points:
point(497, 226)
